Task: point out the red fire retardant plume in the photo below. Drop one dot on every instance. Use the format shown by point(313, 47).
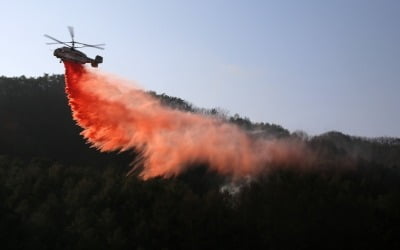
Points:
point(116, 116)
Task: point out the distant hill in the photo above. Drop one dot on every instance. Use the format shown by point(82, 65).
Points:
point(35, 121)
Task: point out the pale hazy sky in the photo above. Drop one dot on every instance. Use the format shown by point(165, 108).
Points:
point(306, 65)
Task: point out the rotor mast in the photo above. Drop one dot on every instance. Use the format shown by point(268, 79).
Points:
point(71, 32)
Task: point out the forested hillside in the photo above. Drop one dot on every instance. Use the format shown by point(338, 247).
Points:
point(58, 193)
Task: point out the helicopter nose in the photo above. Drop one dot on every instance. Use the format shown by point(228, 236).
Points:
point(56, 51)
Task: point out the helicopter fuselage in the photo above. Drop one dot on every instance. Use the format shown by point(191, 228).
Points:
point(70, 53)
point(74, 55)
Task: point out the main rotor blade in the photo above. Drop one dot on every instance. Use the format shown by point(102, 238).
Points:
point(58, 41)
point(101, 44)
point(92, 46)
point(97, 46)
point(71, 32)
point(52, 38)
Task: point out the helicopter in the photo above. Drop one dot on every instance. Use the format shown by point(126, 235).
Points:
point(70, 53)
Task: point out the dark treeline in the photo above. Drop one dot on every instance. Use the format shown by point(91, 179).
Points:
point(58, 193)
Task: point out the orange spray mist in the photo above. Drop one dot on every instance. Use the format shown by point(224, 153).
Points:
point(118, 117)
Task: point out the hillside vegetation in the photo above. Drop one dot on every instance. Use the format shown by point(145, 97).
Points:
point(58, 193)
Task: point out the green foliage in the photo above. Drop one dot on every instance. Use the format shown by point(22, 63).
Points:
point(36, 121)
point(48, 205)
point(57, 193)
